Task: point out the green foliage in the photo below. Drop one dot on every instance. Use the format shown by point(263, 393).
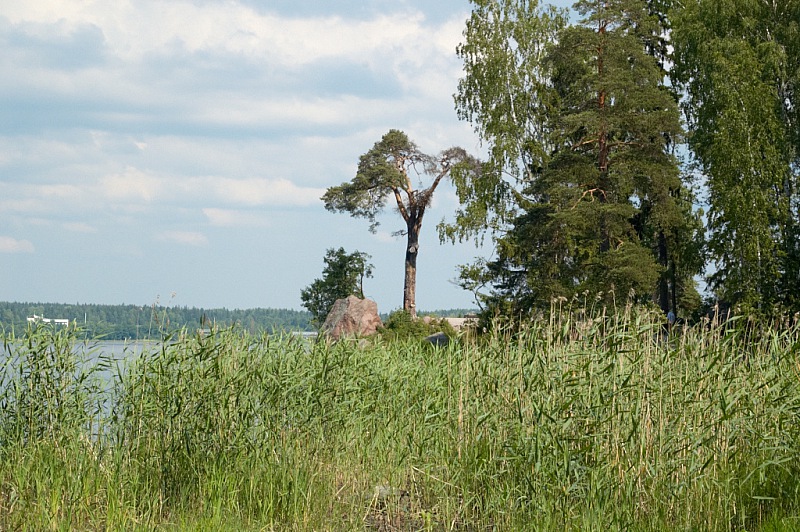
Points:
point(342, 276)
point(402, 326)
point(387, 170)
point(507, 97)
point(738, 62)
point(598, 203)
point(48, 389)
point(121, 322)
point(382, 172)
point(586, 420)
point(582, 189)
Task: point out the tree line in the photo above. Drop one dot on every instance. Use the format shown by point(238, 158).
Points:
point(122, 322)
point(606, 133)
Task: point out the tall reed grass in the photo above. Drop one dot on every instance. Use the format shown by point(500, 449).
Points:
point(601, 422)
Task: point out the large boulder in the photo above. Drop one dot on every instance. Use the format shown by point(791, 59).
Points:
point(352, 317)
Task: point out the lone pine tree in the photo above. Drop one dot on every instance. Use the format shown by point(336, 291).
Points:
point(387, 171)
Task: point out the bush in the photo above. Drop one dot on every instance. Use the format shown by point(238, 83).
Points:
point(401, 326)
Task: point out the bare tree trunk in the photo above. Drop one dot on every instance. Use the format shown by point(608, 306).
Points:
point(410, 287)
point(663, 283)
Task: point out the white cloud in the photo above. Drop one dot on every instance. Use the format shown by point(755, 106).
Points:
point(135, 29)
point(137, 191)
point(184, 120)
point(131, 185)
point(79, 227)
point(12, 245)
point(139, 36)
point(59, 191)
point(188, 238)
point(134, 185)
point(261, 191)
point(253, 110)
point(201, 66)
point(235, 218)
point(22, 206)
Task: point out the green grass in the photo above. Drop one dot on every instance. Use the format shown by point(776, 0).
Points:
point(598, 423)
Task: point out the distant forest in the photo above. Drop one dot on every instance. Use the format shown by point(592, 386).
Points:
point(122, 322)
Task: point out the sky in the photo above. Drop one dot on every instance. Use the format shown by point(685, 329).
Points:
point(176, 151)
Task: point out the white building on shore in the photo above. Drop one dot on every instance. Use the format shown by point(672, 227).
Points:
point(42, 319)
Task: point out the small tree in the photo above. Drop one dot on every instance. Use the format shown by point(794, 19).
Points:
point(342, 276)
point(385, 172)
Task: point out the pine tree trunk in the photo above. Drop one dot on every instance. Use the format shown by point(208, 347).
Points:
point(674, 283)
point(410, 287)
point(602, 143)
point(663, 283)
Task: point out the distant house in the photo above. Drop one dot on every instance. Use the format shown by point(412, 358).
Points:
point(42, 319)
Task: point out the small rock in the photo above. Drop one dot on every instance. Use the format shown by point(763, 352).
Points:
point(387, 494)
point(438, 339)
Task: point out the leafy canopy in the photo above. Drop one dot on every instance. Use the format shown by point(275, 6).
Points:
point(581, 127)
point(738, 63)
point(387, 171)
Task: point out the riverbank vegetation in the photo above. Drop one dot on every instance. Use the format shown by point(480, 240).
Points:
point(585, 420)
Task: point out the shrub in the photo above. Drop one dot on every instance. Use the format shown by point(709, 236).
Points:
point(401, 326)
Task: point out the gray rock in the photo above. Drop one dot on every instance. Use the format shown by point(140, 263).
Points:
point(352, 317)
point(438, 339)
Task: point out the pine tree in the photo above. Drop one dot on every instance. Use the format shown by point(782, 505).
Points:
point(388, 171)
point(607, 212)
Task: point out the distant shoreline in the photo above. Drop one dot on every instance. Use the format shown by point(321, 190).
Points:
point(127, 322)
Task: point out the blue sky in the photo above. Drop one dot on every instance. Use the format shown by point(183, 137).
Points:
point(178, 150)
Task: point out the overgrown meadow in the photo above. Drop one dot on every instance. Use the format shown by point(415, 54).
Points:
point(596, 422)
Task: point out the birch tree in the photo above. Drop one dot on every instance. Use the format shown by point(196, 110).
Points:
point(738, 64)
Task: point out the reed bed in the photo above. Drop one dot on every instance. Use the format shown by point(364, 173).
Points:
point(597, 422)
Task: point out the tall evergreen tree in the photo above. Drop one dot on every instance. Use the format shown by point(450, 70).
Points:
point(738, 62)
point(606, 212)
point(388, 171)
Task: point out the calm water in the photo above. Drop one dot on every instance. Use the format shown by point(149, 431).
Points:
point(117, 354)
point(119, 349)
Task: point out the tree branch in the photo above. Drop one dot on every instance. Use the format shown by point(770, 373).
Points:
point(591, 192)
point(584, 143)
point(400, 164)
point(438, 179)
point(400, 205)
